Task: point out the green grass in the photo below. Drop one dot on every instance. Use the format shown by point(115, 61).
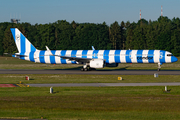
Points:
point(74, 103)
point(72, 78)
point(14, 63)
point(91, 103)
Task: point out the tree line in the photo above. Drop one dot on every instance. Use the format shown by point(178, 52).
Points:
point(162, 34)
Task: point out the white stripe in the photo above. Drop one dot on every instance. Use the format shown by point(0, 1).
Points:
point(17, 33)
point(27, 58)
point(111, 56)
point(28, 45)
point(145, 54)
point(89, 53)
point(68, 53)
point(57, 59)
point(79, 53)
point(167, 58)
point(100, 54)
point(47, 57)
point(134, 56)
point(156, 56)
point(36, 56)
point(123, 56)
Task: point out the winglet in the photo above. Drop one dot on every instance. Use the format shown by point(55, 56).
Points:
point(47, 48)
point(93, 48)
point(50, 53)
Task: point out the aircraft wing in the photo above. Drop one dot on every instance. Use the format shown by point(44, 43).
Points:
point(78, 59)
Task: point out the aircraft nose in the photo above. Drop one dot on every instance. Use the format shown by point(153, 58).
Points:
point(174, 59)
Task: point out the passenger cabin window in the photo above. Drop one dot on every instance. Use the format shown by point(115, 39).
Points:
point(169, 54)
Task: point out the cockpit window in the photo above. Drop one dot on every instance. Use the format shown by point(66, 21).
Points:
point(169, 54)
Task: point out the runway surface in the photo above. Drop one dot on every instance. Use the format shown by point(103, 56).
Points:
point(98, 72)
point(102, 84)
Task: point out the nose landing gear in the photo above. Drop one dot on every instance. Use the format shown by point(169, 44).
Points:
point(159, 66)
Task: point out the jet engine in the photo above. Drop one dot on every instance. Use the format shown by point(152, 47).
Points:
point(97, 63)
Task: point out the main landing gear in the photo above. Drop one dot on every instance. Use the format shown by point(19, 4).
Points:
point(87, 68)
point(84, 69)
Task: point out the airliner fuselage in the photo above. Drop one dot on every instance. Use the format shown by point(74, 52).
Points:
point(89, 58)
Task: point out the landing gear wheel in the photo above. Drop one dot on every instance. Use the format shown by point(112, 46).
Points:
point(84, 69)
point(159, 66)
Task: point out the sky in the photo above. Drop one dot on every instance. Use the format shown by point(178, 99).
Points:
point(86, 11)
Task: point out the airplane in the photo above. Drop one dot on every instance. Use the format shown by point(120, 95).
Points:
point(91, 59)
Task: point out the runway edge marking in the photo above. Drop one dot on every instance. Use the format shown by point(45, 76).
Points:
point(21, 85)
point(13, 85)
point(8, 85)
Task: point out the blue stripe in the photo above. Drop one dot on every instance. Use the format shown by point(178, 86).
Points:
point(173, 59)
point(23, 58)
point(73, 54)
point(162, 56)
point(63, 53)
point(139, 56)
point(41, 56)
point(33, 48)
point(73, 62)
point(128, 56)
point(31, 56)
point(106, 55)
point(23, 43)
point(52, 58)
point(13, 33)
point(117, 56)
point(84, 53)
point(151, 55)
point(94, 55)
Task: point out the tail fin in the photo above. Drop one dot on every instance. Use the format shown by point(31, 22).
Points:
point(22, 43)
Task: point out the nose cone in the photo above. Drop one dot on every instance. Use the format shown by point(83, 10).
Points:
point(174, 59)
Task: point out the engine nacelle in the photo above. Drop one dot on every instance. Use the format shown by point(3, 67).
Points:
point(97, 63)
point(111, 65)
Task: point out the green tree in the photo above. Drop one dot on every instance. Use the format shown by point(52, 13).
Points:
point(8, 42)
point(115, 35)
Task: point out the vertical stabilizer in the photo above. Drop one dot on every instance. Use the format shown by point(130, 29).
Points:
point(22, 43)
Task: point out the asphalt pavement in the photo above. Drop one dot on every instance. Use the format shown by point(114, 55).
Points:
point(97, 72)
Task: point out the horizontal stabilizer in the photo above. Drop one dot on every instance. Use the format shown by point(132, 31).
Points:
point(16, 54)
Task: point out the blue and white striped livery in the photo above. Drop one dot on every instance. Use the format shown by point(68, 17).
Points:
point(89, 58)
